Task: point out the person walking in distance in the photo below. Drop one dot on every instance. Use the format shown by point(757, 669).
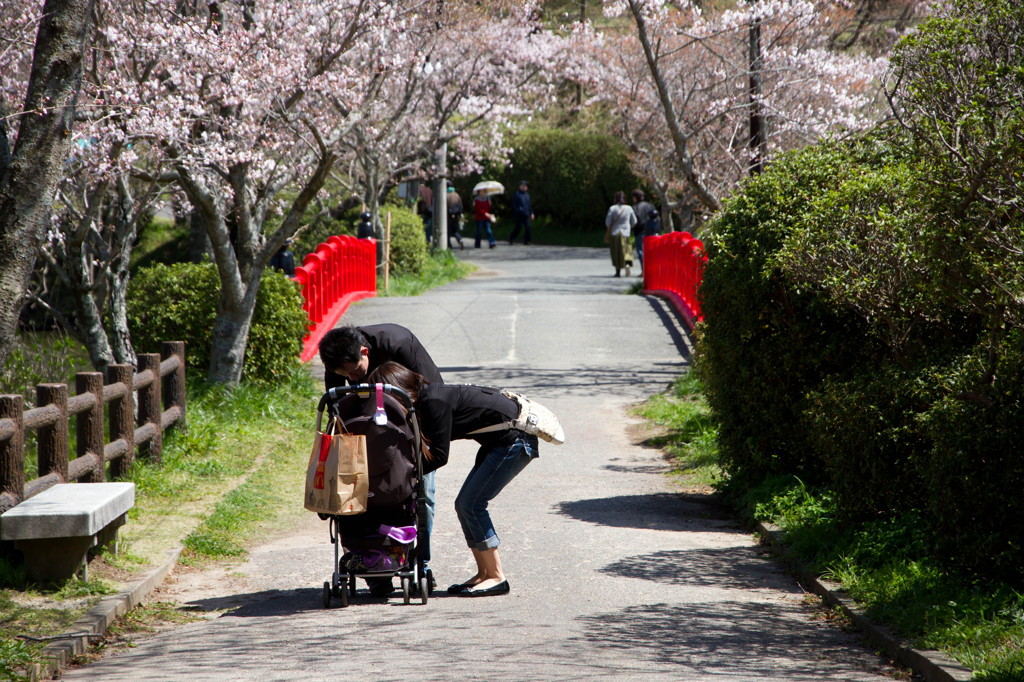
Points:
point(454, 203)
point(642, 209)
point(483, 216)
point(522, 214)
point(620, 221)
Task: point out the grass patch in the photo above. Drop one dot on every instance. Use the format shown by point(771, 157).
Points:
point(236, 473)
point(688, 433)
point(440, 268)
point(884, 564)
point(162, 241)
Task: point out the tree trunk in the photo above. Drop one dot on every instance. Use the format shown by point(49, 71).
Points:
point(28, 183)
point(680, 140)
point(230, 336)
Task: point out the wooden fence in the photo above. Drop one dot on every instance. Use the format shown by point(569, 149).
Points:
point(160, 384)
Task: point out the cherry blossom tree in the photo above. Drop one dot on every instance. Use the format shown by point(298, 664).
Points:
point(242, 109)
point(469, 72)
point(684, 86)
point(237, 106)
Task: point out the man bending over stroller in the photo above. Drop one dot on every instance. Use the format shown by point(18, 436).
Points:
point(350, 353)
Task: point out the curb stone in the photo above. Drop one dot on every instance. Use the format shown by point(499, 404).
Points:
point(96, 620)
point(933, 666)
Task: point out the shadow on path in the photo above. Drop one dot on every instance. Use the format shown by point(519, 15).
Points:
point(657, 511)
point(727, 639)
point(743, 568)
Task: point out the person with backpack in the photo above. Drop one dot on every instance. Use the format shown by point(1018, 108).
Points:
point(642, 209)
point(454, 203)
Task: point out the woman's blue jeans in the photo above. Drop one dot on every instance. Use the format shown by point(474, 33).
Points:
point(483, 484)
point(482, 225)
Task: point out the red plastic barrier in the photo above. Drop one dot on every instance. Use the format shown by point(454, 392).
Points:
point(337, 273)
point(673, 267)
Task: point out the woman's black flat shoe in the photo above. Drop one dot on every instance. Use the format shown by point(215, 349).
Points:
point(500, 588)
point(459, 588)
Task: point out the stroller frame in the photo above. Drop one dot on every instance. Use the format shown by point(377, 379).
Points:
point(342, 584)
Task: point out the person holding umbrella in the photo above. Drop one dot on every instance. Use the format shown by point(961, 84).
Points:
point(482, 209)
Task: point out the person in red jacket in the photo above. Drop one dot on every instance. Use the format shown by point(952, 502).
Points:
point(483, 217)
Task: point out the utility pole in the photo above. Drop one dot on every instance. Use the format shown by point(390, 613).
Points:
point(757, 139)
point(441, 199)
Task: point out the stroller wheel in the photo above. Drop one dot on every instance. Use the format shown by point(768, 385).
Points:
point(406, 590)
point(352, 586)
point(424, 589)
point(327, 595)
point(343, 596)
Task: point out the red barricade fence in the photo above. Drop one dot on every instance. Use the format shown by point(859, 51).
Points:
point(673, 266)
point(337, 273)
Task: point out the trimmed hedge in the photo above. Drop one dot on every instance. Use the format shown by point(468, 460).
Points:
point(179, 302)
point(573, 175)
point(764, 341)
point(408, 254)
point(835, 348)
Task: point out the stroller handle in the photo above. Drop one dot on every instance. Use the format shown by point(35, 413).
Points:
point(334, 393)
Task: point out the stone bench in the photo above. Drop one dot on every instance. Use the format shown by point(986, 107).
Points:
point(56, 529)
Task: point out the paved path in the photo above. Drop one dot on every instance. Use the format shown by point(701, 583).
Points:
point(614, 575)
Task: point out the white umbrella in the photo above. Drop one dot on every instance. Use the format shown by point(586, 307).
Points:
point(489, 186)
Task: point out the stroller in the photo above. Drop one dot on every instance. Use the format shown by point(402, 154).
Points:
point(390, 539)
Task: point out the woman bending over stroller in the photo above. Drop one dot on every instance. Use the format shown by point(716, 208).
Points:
point(448, 413)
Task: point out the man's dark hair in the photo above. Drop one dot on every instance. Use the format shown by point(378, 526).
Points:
point(638, 195)
point(341, 345)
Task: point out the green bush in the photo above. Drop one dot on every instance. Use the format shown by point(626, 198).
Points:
point(573, 175)
point(865, 431)
point(974, 468)
point(408, 253)
point(178, 303)
point(765, 342)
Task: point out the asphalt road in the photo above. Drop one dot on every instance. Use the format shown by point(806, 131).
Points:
point(614, 574)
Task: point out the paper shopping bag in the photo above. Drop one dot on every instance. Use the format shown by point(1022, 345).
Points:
point(337, 479)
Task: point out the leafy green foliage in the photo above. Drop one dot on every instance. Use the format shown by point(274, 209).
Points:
point(40, 358)
point(438, 268)
point(863, 303)
point(886, 564)
point(408, 253)
point(765, 341)
point(16, 657)
point(573, 175)
point(178, 302)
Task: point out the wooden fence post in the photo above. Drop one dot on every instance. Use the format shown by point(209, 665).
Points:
point(150, 407)
point(53, 440)
point(174, 387)
point(122, 418)
point(12, 450)
point(89, 442)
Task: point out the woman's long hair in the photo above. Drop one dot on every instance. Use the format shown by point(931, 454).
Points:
point(400, 376)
